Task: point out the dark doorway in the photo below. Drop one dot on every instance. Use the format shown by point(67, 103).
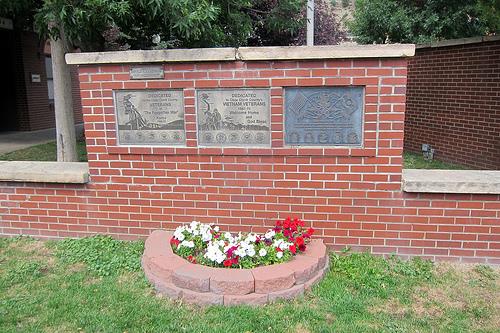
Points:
point(8, 111)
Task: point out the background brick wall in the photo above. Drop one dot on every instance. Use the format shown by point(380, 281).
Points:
point(453, 103)
point(33, 109)
point(352, 196)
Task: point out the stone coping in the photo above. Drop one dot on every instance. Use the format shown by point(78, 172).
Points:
point(44, 172)
point(243, 54)
point(176, 278)
point(451, 181)
point(458, 41)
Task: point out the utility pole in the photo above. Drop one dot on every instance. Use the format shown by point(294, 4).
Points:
point(310, 22)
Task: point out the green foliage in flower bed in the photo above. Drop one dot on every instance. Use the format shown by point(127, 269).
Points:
point(204, 244)
point(40, 291)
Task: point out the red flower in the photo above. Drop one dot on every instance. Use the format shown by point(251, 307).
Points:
point(293, 249)
point(310, 231)
point(235, 261)
point(299, 241)
point(191, 259)
point(279, 250)
point(227, 263)
point(278, 223)
point(174, 241)
point(231, 250)
point(302, 248)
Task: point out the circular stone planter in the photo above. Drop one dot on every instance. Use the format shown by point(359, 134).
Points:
point(177, 278)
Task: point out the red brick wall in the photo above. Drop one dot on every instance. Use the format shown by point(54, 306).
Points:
point(351, 195)
point(453, 103)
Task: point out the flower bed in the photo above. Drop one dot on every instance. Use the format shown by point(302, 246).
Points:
point(178, 278)
point(207, 245)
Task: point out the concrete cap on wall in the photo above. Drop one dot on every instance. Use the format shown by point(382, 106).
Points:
point(451, 181)
point(244, 54)
point(44, 172)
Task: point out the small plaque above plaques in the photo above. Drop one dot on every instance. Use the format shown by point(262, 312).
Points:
point(234, 117)
point(324, 116)
point(146, 72)
point(150, 117)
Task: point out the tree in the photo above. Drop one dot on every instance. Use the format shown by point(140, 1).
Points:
point(97, 25)
point(419, 21)
point(327, 30)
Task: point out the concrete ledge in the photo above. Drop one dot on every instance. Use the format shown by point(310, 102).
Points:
point(243, 53)
point(326, 52)
point(458, 41)
point(451, 181)
point(44, 172)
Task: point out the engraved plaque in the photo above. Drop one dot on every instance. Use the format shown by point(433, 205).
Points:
point(234, 117)
point(150, 117)
point(146, 72)
point(324, 116)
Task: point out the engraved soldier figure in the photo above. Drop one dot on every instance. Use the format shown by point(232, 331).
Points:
point(213, 119)
point(136, 121)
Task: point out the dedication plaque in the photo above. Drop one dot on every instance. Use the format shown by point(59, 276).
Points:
point(324, 116)
point(234, 117)
point(146, 72)
point(150, 117)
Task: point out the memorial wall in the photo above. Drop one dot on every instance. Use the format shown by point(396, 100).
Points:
point(241, 137)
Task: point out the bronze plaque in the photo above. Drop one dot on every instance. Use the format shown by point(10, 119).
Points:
point(150, 117)
point(324, 116)
point(146, 72)
point(234, 117)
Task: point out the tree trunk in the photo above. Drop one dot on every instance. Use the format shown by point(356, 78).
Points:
point(63, 101)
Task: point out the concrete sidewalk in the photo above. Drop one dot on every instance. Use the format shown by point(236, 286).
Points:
point(12, 141)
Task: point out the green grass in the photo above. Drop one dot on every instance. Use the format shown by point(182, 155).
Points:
point(96, 285)
point(43, 152)
point(47, 152)
point(417, 161)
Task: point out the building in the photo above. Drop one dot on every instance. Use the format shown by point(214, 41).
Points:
point(27, 101)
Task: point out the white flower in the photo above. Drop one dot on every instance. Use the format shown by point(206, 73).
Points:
point(214, 253)
point(216, 228)
point(279, 255)
point(178, 234)
point(250, 250)
point(206, 236)
point(189, 244)
point(251, 238)
point(240, 252)
point(270, 234)
point(262, 252)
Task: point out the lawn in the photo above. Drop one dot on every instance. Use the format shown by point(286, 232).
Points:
point(43, 152)
point(417, 161)
point(96, 285)
point(47, 152)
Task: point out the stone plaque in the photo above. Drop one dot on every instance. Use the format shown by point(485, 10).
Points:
point(150, 117)
point(234, 117)
point(324, 116)
point(146, 72)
